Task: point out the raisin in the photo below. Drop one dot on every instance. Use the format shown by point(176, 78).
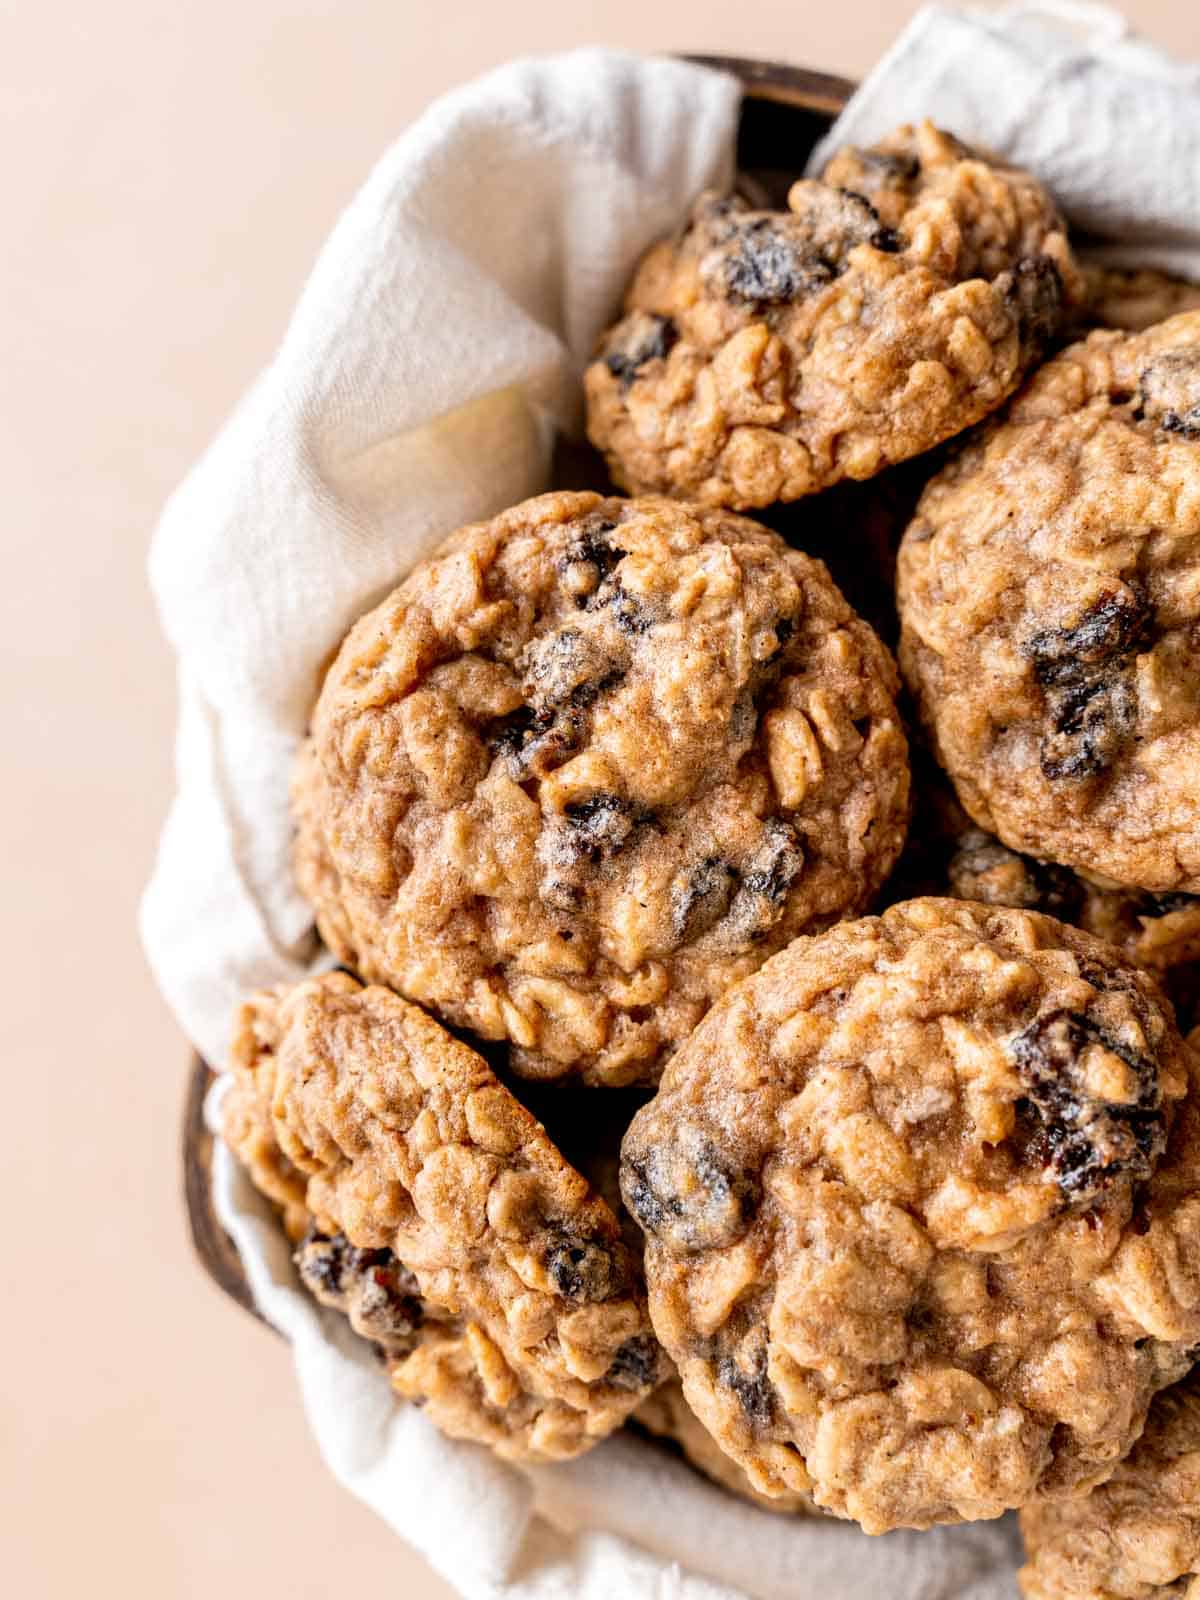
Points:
point(777, 257)
point(556, 664)
point(767, 878)
point(509, 735)
point(702, 898)
point(582, 1269)
point(592, 547)
point(1083, 1142)
point(768, 268)
point(685, 1193)
point(772, 869)
point(1110, 628)
point(375, 1291)
point(1037, 293)
point(1091, 723)
point(1170, 393)
point(752, 1388)
point(631, 616)
point(320, 1262)
point(641, 338)
point(565, 673)
point(1086, 671)
point(637, 1365)
point(601, 824)
point(835, 221)
point(567, 670)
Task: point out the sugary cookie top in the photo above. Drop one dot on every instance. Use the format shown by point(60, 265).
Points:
point(409, 1145)
point(765, 355)
point(1049, 591)
point(590, 764)
point(1136, 1537)
point(922, 1211)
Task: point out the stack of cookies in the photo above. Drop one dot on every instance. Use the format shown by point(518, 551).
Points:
point(621, 1106)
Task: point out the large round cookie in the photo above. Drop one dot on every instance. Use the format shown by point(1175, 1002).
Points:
point(589, 765)
point(1049, 590)
point(922, 1209)
point(1136, 1537)
point(765, 355)
point(522, 1316)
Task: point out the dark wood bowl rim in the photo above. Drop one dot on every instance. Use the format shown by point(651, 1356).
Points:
point(820, 93)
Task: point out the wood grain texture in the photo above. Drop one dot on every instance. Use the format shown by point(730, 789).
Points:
point(784, 109)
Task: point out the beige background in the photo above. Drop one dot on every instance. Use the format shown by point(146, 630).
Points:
point(167, 173)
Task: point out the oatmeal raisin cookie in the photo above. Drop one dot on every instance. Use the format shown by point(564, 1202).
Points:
point(591, 764)
point(443, 1221)
point(922, 1209)
point(1049, 591)
point(764, 355)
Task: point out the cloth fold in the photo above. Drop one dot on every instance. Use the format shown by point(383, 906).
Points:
point(433, 355)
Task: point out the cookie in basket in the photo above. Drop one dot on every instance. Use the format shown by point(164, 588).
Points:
point(442, 1219)
point(1049, 591)
point(589, 765)
point(765, 355)
point(1136, 1537)
point(919, 1198)
point(946, 854)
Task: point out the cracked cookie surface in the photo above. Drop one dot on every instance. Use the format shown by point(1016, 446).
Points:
point(922, 1212)
point(1136, 1537)
point(765, 355)
point(591, 764)
point(444, 1222)
point(1049, 592)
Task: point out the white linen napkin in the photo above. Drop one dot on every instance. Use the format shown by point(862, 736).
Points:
point(434, 351)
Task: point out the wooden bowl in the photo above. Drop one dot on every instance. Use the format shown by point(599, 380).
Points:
point(785, 110)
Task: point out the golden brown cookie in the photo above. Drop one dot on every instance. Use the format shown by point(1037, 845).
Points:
point(1136, 1537)
point(591, 764)
point(1049, 591)
point(509, 1273)
point(764, 355)
point(922, 1210)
